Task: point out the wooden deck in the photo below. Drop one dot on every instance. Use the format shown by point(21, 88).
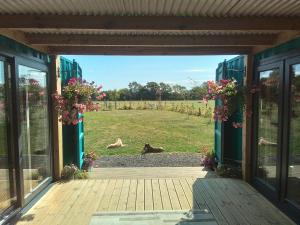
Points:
point(229, 201)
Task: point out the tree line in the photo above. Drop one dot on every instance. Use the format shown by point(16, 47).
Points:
point(156, 91)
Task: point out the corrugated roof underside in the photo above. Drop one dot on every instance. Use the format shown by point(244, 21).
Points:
point(207, 8)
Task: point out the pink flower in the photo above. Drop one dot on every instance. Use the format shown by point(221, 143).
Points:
point(72, 81)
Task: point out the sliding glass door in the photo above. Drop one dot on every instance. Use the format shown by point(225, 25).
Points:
point(34, 127)
point(277, 133)
point(7, 177)
point(268, 126)
point(293, 140)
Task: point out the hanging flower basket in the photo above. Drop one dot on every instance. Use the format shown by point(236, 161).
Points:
point(231, 97)
point(76, 98)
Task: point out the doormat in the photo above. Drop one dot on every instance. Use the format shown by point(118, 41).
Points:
point(154, 218)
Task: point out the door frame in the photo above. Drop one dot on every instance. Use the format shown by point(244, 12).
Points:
point(279, 198)
point(267, 189)
point(44, 68)
point(291, 206)
point(15, 59)
point(9, 122)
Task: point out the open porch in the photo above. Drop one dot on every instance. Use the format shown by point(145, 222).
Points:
point(209, 201)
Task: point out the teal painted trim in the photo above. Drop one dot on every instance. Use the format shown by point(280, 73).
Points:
point(73, 136)
point(285, 47)
point(23, 49)
point(228, 140)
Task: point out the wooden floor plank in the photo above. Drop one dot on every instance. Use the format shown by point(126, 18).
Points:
point(223, 203)
point(173, 195)
point(229, 201)
point(272, 214)
point(233, 206)
point(181, 195)
point(99, 191)
point(202, 194)
point(132, 196)
point(113, 204)
point(124, 196)
point(165, 198)
point(189, 195)
point(148, 195)
point(140, 196)
point(104, 204)
point(248, 210)
point(198, 195)
point(157, 201)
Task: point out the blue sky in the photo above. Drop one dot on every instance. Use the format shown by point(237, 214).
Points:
point(115, 72)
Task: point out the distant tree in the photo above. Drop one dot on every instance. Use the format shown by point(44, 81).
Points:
point(198, 92)
point(166, 91)
point(179, 92)
point(152, 89)
point(124, 94)
point(135, 90)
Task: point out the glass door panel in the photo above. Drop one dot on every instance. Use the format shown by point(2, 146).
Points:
point(268, 126)
point(7, 187)
point(34, 127)
point(293, 180)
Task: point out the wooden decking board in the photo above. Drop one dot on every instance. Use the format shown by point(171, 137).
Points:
point(209, 201)
point(173, 195)
point(229, 201)
point(132, 195)
point(122, 205)
point(189, 195)
point(157, 201)
point(104, 204)
point(140, 195)
point(165, 198)
point(246, 203)
point(273, 215)
point(113, 204)
point(181, 195)
point(222, 203)
point(148, 195)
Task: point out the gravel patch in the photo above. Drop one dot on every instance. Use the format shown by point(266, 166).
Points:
point(150, 160)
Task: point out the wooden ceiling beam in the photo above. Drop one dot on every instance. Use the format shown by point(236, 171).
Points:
point(148, 22)
point(137, 50)
point(150, 40)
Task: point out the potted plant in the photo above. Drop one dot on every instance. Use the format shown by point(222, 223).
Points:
point(88, 160)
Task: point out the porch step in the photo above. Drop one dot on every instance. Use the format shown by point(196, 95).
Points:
point(194, 217)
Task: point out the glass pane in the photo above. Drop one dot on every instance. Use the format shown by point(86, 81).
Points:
point(7, 191)
point(293, 190)
point(34, 127)
point(268, 126)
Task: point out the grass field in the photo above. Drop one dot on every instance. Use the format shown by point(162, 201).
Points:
point(175, 132)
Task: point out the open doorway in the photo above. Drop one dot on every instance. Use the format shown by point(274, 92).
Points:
point(152, 114)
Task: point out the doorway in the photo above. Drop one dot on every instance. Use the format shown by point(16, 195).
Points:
point(7, 163)
point(25, 147)
point(276, 156)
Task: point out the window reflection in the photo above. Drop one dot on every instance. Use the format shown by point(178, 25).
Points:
point(268, 126)
point(293, 190)
point(7, 188)
point(34, 127)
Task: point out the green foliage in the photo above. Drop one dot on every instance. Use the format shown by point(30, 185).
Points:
point(154, 91)
point(80, 175)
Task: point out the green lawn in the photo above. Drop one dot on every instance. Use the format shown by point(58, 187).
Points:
point(175, 132)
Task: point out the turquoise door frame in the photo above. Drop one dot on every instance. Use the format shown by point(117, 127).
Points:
point(228, 140)
point(73, 136)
